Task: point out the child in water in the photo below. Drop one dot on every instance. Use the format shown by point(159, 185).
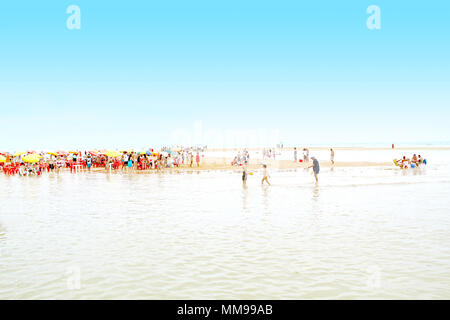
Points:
point(244, 176)
point(265, 175)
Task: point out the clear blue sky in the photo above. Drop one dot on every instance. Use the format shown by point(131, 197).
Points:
point(138, 71)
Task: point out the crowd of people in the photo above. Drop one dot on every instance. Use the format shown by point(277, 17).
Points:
point(33, 163)
point(241, 158)
point(415, 161)
point(269, 153)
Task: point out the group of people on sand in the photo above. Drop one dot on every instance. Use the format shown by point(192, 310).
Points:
point(269, 153)
point(414, 162)
point(242, 158)
point(76, 161)
point(29, 169)
point(306, 155)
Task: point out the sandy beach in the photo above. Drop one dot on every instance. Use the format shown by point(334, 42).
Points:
point(220, 158)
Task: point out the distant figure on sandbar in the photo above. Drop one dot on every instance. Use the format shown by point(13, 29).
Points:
point(332, 156)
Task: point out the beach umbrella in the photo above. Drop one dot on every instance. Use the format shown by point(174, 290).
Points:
point(113, 154)
point(19, 153)
point(2, 159)
point(32, 158)
point(52, 153)
point(148, 152)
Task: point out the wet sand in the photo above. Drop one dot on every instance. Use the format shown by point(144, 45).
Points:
point(212, 164)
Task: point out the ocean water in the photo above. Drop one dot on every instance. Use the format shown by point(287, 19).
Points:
point(361, 233)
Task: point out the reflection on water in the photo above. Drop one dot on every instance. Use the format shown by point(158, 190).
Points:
point(2, 233)
point(315, 192)
point(358, 233)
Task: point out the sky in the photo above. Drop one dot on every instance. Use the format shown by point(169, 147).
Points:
point(223, 73)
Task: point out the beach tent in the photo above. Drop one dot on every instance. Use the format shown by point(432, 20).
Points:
point(19, 153)
point(31, 158)
point(113, 154)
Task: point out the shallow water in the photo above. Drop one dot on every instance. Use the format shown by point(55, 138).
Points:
point(361, 233)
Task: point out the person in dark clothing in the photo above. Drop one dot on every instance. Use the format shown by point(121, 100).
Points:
point(316, 168)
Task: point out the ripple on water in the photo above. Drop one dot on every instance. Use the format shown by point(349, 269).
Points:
point(358, 235)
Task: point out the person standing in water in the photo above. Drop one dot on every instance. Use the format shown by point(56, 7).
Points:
point(295, 154)
point(316, 168)
point(265, 175)
point(332, 156)
point(244, 176)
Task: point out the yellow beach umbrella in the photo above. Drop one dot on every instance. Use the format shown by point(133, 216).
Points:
point(2, 159)
point(113, 154)
point(52, 153)
point(19, 153)
point(32, 158)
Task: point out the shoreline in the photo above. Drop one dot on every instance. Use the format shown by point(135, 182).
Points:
point(218, 164)
point(335, 148)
